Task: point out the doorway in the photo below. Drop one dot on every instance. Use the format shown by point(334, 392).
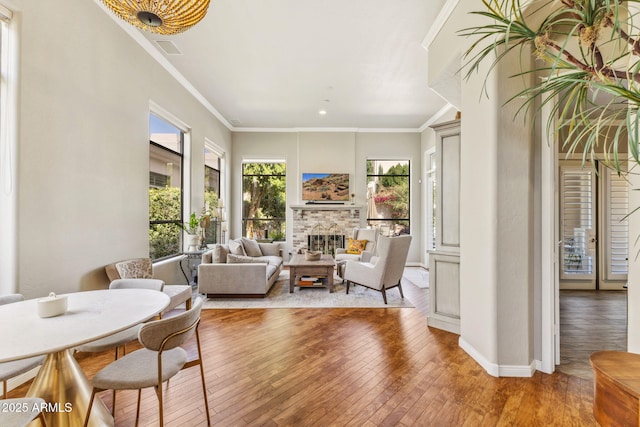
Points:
point(593, 260)
point(593, 227)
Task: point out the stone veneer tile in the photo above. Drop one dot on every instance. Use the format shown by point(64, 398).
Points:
point(341, 221)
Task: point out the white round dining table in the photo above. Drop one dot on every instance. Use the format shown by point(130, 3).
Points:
point(90, 315)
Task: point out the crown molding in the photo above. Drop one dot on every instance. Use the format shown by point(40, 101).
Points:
point(352, 130)
point(439, 22)
point(444, 110)
point(137, 36)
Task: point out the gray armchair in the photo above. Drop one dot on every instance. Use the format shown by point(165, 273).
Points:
point(383, 271)
point(368, 234)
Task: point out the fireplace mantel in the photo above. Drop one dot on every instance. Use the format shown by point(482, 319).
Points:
point(326, 207)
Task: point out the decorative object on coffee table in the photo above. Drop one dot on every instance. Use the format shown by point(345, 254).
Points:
point(312, 255)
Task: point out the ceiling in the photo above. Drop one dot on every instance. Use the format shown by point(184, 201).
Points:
point(276, 64)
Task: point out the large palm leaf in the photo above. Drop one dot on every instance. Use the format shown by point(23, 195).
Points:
point(586, 68)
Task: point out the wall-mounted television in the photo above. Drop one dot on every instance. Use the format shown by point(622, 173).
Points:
point(325, 187)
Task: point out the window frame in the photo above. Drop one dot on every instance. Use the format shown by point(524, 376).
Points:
point(183, 174)
point(214, 233)
point(282, 221)
point(372, 221)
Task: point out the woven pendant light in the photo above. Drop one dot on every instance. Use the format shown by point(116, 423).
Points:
point(160, 16)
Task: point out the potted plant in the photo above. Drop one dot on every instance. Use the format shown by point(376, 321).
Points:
point(586, 67)
point(191, 230)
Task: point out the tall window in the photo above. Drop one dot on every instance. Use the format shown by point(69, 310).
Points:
point(165, 188)
point(388, 196)
point(212, 233)
point(264, 200)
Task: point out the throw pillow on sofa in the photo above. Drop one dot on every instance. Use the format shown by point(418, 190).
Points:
point(270, 249)
point(219, 253)
point(251, 247)
point(236, 248)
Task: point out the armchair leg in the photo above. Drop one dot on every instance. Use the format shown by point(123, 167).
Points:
point(384, 295)
point(400, 288)
point(348, 282)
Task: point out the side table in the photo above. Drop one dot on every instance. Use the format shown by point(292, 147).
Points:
point(193, 259)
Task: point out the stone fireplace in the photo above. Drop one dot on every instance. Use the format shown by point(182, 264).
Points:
point(326, 222)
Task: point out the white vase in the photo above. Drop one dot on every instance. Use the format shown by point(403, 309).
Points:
point(193, 241)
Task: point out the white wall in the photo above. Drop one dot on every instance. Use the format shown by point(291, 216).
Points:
point(85, 89)
point(344, 152)
point(496, 225)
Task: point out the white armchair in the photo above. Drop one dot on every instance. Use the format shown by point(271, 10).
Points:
point(383, 271)
point(368, 234)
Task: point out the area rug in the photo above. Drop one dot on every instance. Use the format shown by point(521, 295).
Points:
point(279, 297)
point(418, 276)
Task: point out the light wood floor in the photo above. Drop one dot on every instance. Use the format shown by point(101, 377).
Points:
point(590, 321)
point(341, 367)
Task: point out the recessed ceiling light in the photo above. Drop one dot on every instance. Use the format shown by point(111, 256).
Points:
point(322, 112)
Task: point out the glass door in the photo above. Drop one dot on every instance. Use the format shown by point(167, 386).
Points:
point(577, 226)
point(593, 227)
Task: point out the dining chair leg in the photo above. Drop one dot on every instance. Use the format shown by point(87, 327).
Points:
point(138, 406)
point(113, 403)
point(400, 288)
point(86, 418)
point(384, 295)
point(204, 387)
point(160, 407)
point(348, 282)
point(4, 389)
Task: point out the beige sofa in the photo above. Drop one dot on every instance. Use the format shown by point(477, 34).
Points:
point(242, 268)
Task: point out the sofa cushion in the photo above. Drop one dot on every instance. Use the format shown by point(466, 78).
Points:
point(251, 247)
point(240, 259)
point(344, 257)
point(271, 269)
point(236, 248)
point(219, 253)
point(271, 260)
point(207, 257)
point(270, 249)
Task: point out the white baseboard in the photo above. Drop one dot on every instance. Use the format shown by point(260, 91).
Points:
point(494, 369)
point(416, 264)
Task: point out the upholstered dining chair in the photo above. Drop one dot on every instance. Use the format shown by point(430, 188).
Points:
point(20, 412)
point(142, 268)
point(384, 271)
point(159, 360)
point(121, 338)
point(12, 369)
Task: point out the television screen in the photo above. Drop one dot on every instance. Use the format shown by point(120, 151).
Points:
point(325, 187)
